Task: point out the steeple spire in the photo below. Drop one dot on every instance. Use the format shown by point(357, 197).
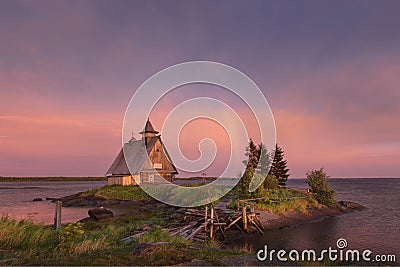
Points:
point(148, 133)
point(148, 128)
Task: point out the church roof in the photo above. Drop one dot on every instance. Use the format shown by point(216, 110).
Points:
point(148, 128)
point(135, 153)
point(136, 156)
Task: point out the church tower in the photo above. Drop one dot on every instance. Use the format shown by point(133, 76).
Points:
point(148, 132)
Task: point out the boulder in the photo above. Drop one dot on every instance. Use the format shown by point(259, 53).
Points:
point(37, 199)
point(100, 213)
point(349, 205)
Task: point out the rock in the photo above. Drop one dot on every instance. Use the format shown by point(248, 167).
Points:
point(78, 200)
point(37, 199)
point(100, 213)
point(87, 219)
point(51, 198)
point(348, 205)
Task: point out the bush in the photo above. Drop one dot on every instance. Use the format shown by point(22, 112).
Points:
point(271, 182)
point(317, 180)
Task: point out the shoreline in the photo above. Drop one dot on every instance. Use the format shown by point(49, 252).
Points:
point(150, 211)
point(268, 220)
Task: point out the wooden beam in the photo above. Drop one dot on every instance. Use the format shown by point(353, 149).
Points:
point(57, 217)
point(258, 229)
point(195, 232)
point(244, 217)
point(233, 222)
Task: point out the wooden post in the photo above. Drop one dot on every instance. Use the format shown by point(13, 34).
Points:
point(252, 210)
point(57, 217)
point(205, 219)
point(244, 218)
point(212, 223)
point(204, 177)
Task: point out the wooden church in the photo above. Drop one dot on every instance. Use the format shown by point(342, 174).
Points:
point(147, 162)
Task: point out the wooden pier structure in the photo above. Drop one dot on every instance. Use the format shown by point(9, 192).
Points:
point(210, 222)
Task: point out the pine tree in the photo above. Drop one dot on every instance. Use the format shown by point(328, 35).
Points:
point(279, 166)
point(244, 183)
point(252, 154)
point(318, 181)
point(264, 160)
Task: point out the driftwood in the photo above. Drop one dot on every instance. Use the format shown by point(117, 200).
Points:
point(205, 224)
point(183, 229)
point(195, 232)
point(129, 238)
point(255, 224)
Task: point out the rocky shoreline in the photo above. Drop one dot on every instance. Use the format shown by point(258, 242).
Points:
point(269, 221)
point(295, 218)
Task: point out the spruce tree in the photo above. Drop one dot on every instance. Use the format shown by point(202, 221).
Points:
point(318, 181)
point(244, 183)
point(252, 154)
point(279, 166)
point(264, 160)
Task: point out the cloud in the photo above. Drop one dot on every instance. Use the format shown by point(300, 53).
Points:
point(68, 71)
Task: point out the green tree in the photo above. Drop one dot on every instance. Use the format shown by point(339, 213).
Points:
point(279, 166)
point(252, 153)
point(251, 173)
point(264, 159)
point(244, 183)
point(318, 182)
point(271, 182)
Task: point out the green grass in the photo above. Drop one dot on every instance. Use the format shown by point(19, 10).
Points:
point(187, 196)
point(166, 193)
point(118, 192)
point(50, 179)
point(157, 235)
point(98, 243)
point(279, 201)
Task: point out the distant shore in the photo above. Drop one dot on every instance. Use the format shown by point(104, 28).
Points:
point(51, 179)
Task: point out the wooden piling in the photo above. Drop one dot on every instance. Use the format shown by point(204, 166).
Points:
point(212, 223)
point(244, 218)
point(57, 217)
point(205, 219)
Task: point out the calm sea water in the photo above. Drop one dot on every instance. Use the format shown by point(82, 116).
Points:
point(16, 200)
point(377, 228)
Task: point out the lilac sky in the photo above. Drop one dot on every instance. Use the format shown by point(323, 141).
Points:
point(329, 69)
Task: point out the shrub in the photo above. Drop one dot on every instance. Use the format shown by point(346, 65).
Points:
point(317, 180)
point(271, 182)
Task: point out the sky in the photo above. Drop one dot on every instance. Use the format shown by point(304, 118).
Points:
point(329, 70)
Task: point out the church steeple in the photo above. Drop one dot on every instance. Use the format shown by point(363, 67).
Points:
point(148, 131)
